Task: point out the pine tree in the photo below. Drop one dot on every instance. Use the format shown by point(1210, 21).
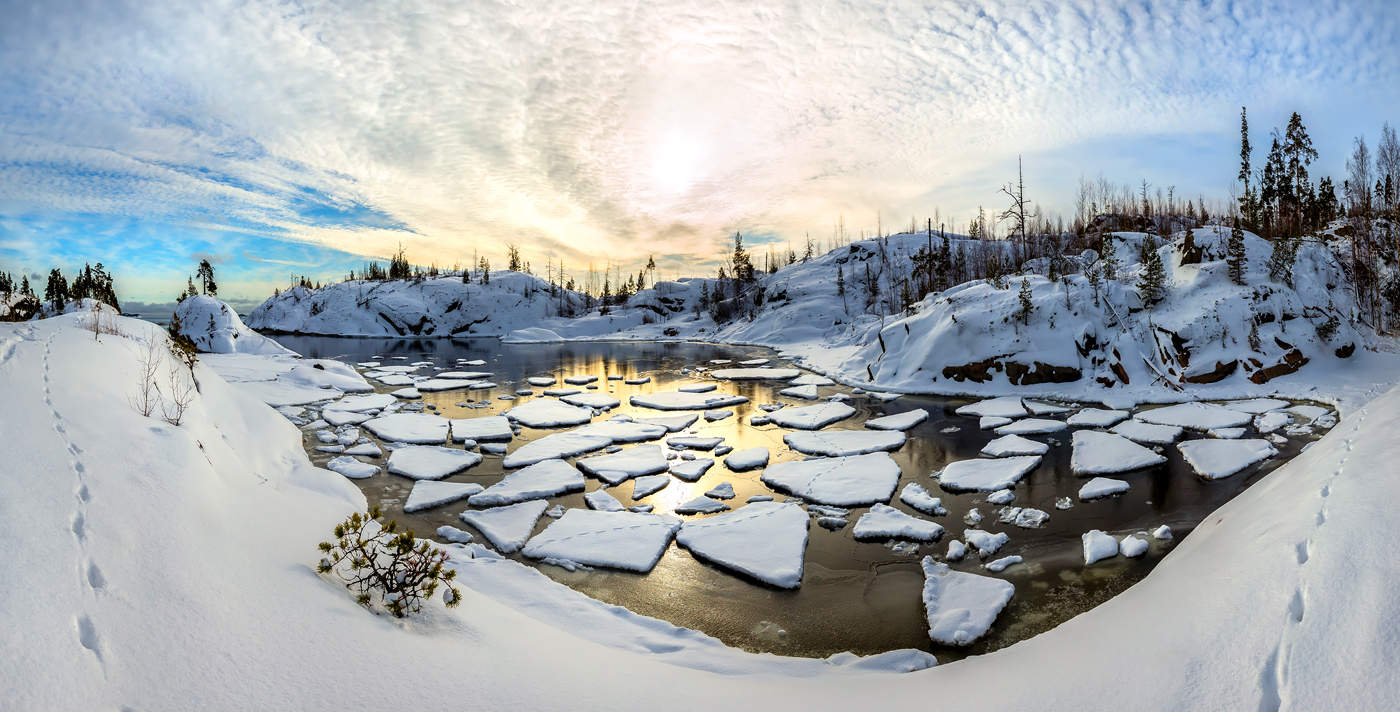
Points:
point(1152, 284)
point(513, 254)
point(1235, 256)
point(1095, 278)
point(1024, 313)
point(1109, 258)
point(206, 278)
point(1247, 200)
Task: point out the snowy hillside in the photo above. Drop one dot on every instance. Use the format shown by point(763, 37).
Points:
point(440, 306)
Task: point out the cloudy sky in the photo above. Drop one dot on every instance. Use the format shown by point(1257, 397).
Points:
point(300, 137)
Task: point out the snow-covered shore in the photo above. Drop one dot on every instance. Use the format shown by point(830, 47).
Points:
point(164, 567)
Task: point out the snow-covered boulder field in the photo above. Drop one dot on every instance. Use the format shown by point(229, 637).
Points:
point(214, 327)
point(439, 306)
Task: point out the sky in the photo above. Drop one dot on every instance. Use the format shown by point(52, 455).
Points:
point(281, 138)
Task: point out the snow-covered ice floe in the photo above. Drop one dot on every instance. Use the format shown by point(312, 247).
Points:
point(1215, 459)
point(634, 461)
point(1097, 418)
point(886, 522)
point(619, 540)
point(429, 493)
point(1011, 445)
point(961, 607)
point(1003, 407)
point(898, 421)
point(491, 428)
point(1098, 546)
point(916, 496)
point(682, 400)
point(602, 501)
point(812, 417)
point(415, 428)
point(839, 481)
point(506, 527)
point(692, 470)
point(352, 468)
point(701, 505)
point(762, 540)
point(1031, 426)
point(838, 443)
point(544, 413)
point(755, 374)
point(556, 445)
point(1195, 416)
point(548, 478)
point(647, 485)
point(807, 392)
point(1097, 453)
point(1102, 487)
point(747, 459)
point(986, 474)
point(430, 462)
point(986, 543)
point(1141, 432)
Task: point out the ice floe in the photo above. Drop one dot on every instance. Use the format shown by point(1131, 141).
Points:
point(812, 417)
point(507, 527)
point(1031, 426)
point(701, 505)
point(455, 535)
point(429, 494)
point(672, 423)
point(840, 481)
point(1000, 565)
point(1195, 416)
point(682, 400)
point(763, 540)
point(549, 478)
point(1098, 546)
point(634, 461)
point(1102, 487)
point(1011, 445)
point(747, 459)
point(723, 490)
point(1003, 407)
point(619, 540)
point(416, 428)
point(898, 421)
point(837, 443)
point(692, 470)
point(916, 496)
point(1131, 546)
point(600, 401)
point(1141, 432)
point(811, 379)
point(647, 485)
point(961, 607)
point(602, 501)
point(1096, 453)
point(807, 392)
point(755, 374)
point(885, 522)
point(486, 429)
point(430, 462)
point(1214, 459)
point(557, 445)
point(545, 413)
point(986, 474)
point(986, 543)
point(1097, 418)
point(352, 468)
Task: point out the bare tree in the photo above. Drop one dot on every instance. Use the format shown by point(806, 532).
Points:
point(1017, 213)
point(147, 396)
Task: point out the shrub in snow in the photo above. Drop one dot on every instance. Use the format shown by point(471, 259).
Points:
point(379, 562)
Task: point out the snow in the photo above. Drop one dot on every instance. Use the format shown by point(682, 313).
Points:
point(916, 496)
point(1096, 453)
point(986, 475)
point(506, 527)
point(838, 481)
point(1307, 412)
point(885, 522)
point(416, 428)
point(763, 540)
point(634, 461)
point(985, 542)
point(692, 470)
point(611, 539)
point(600, 401)
point(812, 417)
point(898, 421)
point(491, 428)
point(352, 468)
point(723, 490)
point(755, 374)
point(807, 392)
point(1031, 426)
point(960, 606)
point(1097, 418)
point(1195, 416)
point(1139, 431)
point(430, 462)
point(601, 501)
point(428, 494)
point(364, 450)
point(214, 327)
point(1132, 547)
point(1001, 407)
point(545, 413)
point(555, 445)
point(548, 478)
point(647, 485)
point(1102, 487)
point(701, 505)
point(681, 400)
point(1000, 565)
point(287, 380)
point(1216, 459)
point(1007, 445)
point(747, 459)
point(1098, 546)
point(837, 443)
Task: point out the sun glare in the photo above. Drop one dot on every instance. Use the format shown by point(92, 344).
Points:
point(676, 163)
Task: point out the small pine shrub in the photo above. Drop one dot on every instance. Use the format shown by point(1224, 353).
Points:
point(380, 562)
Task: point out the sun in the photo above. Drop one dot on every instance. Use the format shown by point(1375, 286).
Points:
point(677, 161)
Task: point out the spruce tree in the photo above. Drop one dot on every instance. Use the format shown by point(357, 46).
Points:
point(1152, 284)
point(56, 290)
point(1235, 256)
point(1109, 258)
point(1024, 313)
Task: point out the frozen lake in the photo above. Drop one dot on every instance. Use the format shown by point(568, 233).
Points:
point(861, 596)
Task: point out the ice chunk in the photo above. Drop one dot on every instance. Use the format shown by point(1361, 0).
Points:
point(1001, 496)
point(681, 400)
point(990, 422)
point(1163, 532)
point(1214, 459)
point(807, 392)
point(619, 540)
point(1038, 408)
point(1256, 406)
point(634, 461)
point(754, 362)
point(1064, 503)
point(454, 535)
point(811, 379)
point(352, 468)
point(344, 417)
point(558, 445)
point(491, 428)
point(1102, 487)
point(697, 387)
point(837, 443)
point(692, 470)
point(601, 401)
point(1098, 546)
point(580, 380)
point(1308, 413)
point(493, 448)
point(417, 428)
point(542, 479)
point(898, 421)
point(465, 375)
point(1000, 564)
point(361, 403)
point(1009, 445)
point(973, 517)
point(1227, 433)
point(672, 423)
point(1096, 452)
point(434, 385)
point(755, 374)
point(602, 501)
point(985, 542)
point(840, 481)
point(723, 490)
point(759, 498)
point(694, 442)
point(832, 523)
point(762, 540)
point(1195, 416)
point(428, 494)
point(637, 381)
point(1031, 426)
point(986, 475)
point(540, 381)
point(507, 527)
point(1269, 422)
point(647, 485)
point(701, 505)
point(1141, 432)
point(718, 414)
point(364, 450)
point(956, 550)
point(1097, 418)
point(545, 413)
point(555, 512)
point(430, 462)
point(1031, 518)
point(409, 394)
point(1132, 546)
point(960, 606)
point(747, 459)
point(560, 392)
point(919, 498)
point(885, 522)
point(812, 417)
point(1003, 407)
